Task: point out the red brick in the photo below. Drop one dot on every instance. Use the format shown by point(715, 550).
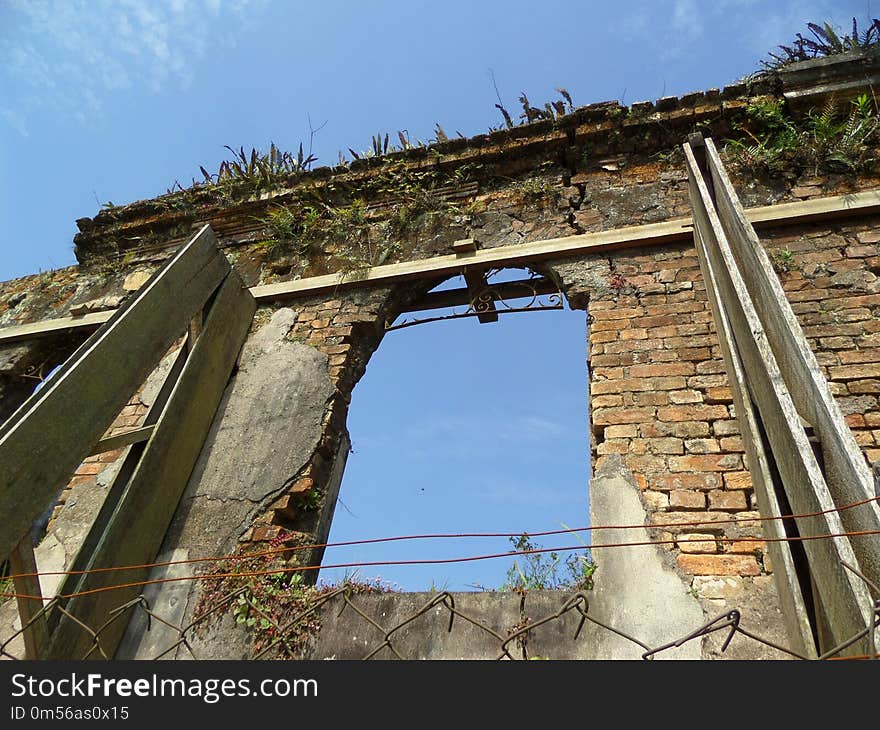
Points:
point(692, 413)
point(864, 438)
point(611, 325)
point(668, 482)
point(615, 432)
point(746, 547)
point(676, 308)
point(662, 321)
point(855, 372)
point(335, 349)
point(719, 394)
point(863, 386)
point(658, 446)
point(613, 446)
point(265, 532)
point(614, 416)
point(646, 399)
point(702, 446)
point(605, 360)
point(869, 355)
point(691, 341)
point(722, 500)
point(82, 479)
point(630, 385)
point(732, 443)
point(692, 354)
point(687, 500)
point(646, 464)
point(707, 381)
point(600, 337)
point(662, 370)
point(610, 314)
point(869, 236)
point(632, 345)
point(685, 397)
point(354, 318)
point(697, 542)
point(719, 565)
point(709, 462)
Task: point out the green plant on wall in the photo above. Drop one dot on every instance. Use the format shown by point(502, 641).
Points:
point(830, 140)
point(783, 259)
point(539, 571)
point(826, 40)
point(263, 592)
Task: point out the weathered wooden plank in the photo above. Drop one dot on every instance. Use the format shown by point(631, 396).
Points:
point(71, 583)
point(45, 327)
point(844, 597)
point(120, 440)
point(23, 564)
point(677, 229)
point(846, 471)
point(53, 431)
point(824, 208)
point(791, 596)
point(138, 524)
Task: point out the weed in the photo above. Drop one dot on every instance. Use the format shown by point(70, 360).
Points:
point(259, 170)
point(826, 41)
point(535, 189)
point(265, 603)
point(547, 571)
point(783, 259)
point(825, 141)
point(311, 500)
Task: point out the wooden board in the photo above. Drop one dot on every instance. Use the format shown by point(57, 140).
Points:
point(45, 327)
point(23, 564)
point(846, 472)
point(120, 440)
point(117, 488)
point(139, 522)
point(653, 234)
point(844, 596)
point(788, 585)
point(53, 431)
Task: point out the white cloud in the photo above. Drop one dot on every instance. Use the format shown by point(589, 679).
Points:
point(686, 21)
point(65, 56)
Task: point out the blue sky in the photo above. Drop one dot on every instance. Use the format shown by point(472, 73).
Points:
point(115, 101)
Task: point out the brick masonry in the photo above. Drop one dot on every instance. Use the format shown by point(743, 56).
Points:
point(658, 392)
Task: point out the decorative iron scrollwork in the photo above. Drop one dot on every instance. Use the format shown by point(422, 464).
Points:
point(501, 298)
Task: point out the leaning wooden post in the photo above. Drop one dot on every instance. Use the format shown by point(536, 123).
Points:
point(23, 565)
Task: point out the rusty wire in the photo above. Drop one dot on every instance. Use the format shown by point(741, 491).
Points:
point(729, 621)
point(579, 603)
point(287, 549)
point(435, 561)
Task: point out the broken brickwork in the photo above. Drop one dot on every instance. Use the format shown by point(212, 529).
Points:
point(658, 397)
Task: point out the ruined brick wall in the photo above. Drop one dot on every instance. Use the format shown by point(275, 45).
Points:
point(658, 392)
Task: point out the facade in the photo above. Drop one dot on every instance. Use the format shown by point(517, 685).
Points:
point(596, 202)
